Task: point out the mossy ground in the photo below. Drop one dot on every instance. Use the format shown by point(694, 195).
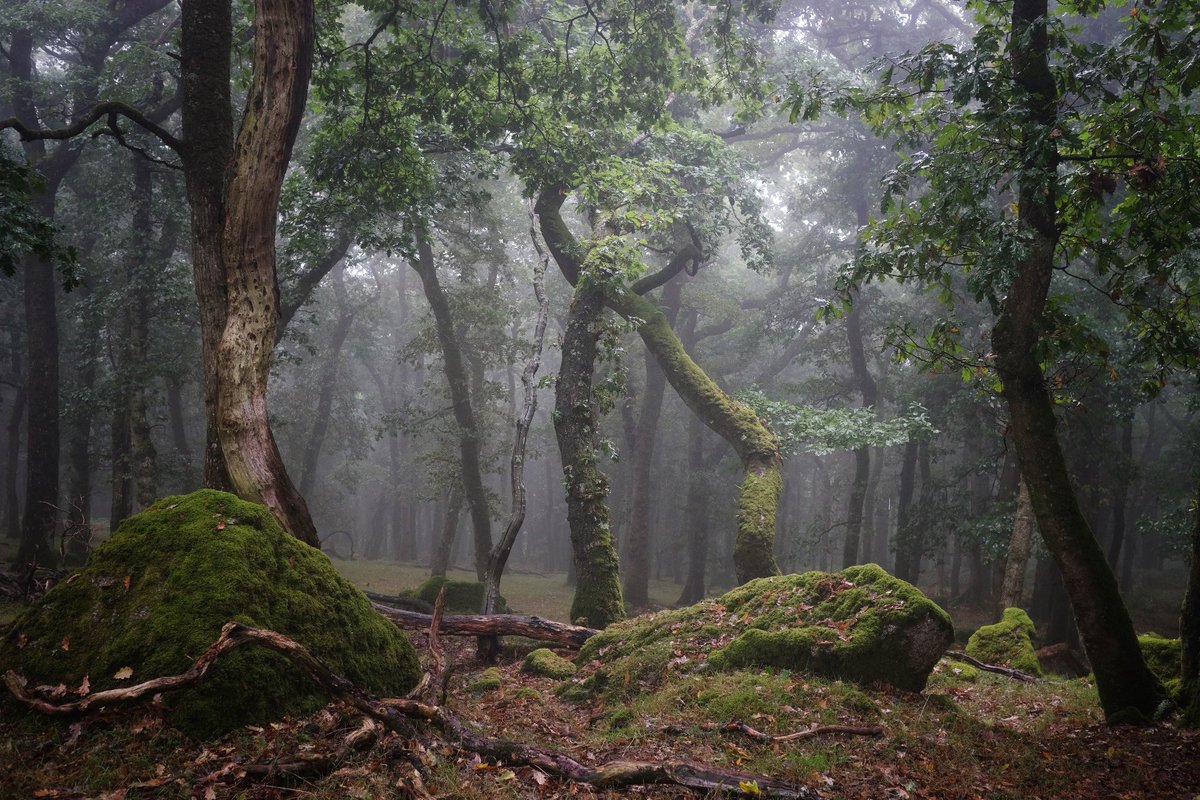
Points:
point(462, 597)
point(860, 623)
point(1009, 642)
point(157, 593)
point(544, 661)
point(1164, 657)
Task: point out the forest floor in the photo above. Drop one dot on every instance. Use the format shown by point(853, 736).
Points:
point(966, 736)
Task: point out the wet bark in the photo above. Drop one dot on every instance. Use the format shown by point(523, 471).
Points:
point(738, 425)
point(443, 548)
point(862, 455)
point(1120, 494)
point(12, 460)
point(597, 601)
point(1127, 688)
point(469, 435)
point(233, 190)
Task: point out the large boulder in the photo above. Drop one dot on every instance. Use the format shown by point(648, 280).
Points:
point(157, 593)
point(860, 624)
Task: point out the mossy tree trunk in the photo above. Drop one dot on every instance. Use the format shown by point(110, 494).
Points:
point(1125, 684)
point(1012, 589)
point(233, 192)
point(737, 424)
point(598, 601)
point(469, 439)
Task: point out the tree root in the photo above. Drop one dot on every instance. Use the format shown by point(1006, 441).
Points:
point(1016, 674)
point(820, 730)
point(397, 714)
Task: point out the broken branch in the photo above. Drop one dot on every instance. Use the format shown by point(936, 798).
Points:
point(819, 730)
point(1007, 671)
point(543, 630)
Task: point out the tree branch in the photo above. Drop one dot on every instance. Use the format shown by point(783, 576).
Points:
point(98, 112)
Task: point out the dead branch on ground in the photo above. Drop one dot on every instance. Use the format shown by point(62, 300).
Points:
point(397, 715)
point(819, 730)
point(1006, 671)
point(543, 630)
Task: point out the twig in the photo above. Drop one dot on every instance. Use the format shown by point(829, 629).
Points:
point(1007, 671)
point(819, 730)
point(395, 714)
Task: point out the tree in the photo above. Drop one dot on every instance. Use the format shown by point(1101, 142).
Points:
point(965, 213)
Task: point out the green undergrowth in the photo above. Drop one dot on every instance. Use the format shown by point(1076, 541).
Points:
point(1164, 657)
point(462, 597)
point(860, 624)
point(157, 593)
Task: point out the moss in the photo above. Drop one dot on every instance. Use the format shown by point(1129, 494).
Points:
point(753, 553)
point(487, 681)
point(529, 693)
point(462, 597)
point(1009, 642)
point(157, 593)
point(548, 663)
point(860, 623)
point(1164, 657)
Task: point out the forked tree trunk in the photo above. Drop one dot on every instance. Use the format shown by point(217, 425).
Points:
point(1127, 688)
point(737, 424)
point(233, 192)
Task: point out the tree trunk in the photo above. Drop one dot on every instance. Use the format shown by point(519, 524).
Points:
point(757, 447)
point(1120, 497)
point(696, 516)
point(1127, 688)
point(233, 192)
point(469, 435)
point(908, 540)
point(635, 567)
point(597, 600)
point(1189, 633)
point(443, 548)
point(1012, 590)
point(329, 380)
point(862, 455)
point(489, 647)
point(12, 460)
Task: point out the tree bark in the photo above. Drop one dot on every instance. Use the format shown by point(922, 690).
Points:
point(908, 540)
point(1127, 688)
point(1189, 633)
point(443, 548)
point(696, 517)
point(757, 447)
point(1012, 589)
point(597, 600)
point(233, 191)
point(862, 455)
point(458, 381)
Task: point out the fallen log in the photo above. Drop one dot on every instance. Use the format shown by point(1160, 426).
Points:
point(396, 714)
point(543, 630)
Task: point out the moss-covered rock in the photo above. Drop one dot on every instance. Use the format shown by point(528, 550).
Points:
point(157, 593)
point(1164, 657)
point(489, 680)
point(861, 624)
point(546, 662)
point(1008, 643)
point(462, 597)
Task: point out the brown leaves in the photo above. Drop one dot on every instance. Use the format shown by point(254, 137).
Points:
point(123, 674)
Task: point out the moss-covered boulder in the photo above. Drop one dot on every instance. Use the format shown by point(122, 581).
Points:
point(489, 680)
point(157, 593)
point(547, 663)
point(1164, 657)
point(861, 624)
point(462, 597)
point(1007, 643)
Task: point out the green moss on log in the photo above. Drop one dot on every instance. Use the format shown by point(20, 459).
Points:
point(1007, 643)
point(753, 552)
point(462, 597)
point(156, 594)
point(861, 624)
point(1164, 657)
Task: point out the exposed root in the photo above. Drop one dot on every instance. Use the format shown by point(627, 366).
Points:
point(819, 730)
point(398, 714)
point(1016, 674)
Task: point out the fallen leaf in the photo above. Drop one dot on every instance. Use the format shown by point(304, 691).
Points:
point(128, 581)
point(84, 687)
point(123, 674)
point(22, 641)
point(210, 793)
point(507, 775)
point(66, 643)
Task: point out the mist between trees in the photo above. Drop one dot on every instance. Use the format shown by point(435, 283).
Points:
point(826, 284)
